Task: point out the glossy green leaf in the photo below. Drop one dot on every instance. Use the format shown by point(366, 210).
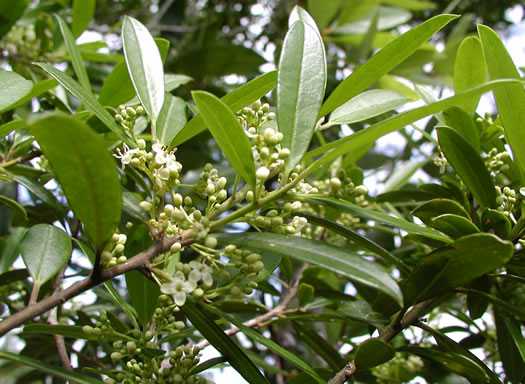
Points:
point(40, 192)
point(144, 66)
point(144, 295)
point(13, 87)
point(13, 125)
point(469, 70)
point(11, 12)
point(383, 62)
point(433, 208)
point(300, 89)
point(463, 123)
point(72, 331)
point(45, 250)
point(305, 293)
point(74, 54)
point(50, 369)
point(299, 13)
point(413, 5)
point(235, 100)
point(373, 352)
point(510, 354)
point(228, 133)
point(172, 80)
point(215, 335)
point(13, 276)
point(130, 205)
point(501, 304)
point(85, 170)
point(469, 166)
point(88, 99)
point(371, 134)
point(377, 216)
point(366, 105)
point(497, 222)
point(509, 99)
point(356, 238)
point(172, 119)
point(83, 12)
point(453, 225)
point(452, 362)
point(449, 267)
point(9, 253)
point(362, 312)
point(388, 18)
point(336, 259)
point(13, 204)
point(256, 336)
point(355, 10)
point(38, 89)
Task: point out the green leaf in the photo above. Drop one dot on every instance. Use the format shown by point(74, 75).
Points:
point(433, 208)
point(449, 267)
point(348, 264)
point(381, 217)
point(462, 122)
point(256, 336)
point(299, 14)
point(300, 89)
point(366, 105)
point(72, 331)
point(452, 362)
point(88, 99)
point(211, 331)
point(373, 352)
point(356, 238)
point(172, 119)
point(469, 166)
point(497, 222)
point(38, 89)
point(74, 54)
point(510, 355)
point(235, 100)
point(173, 81)
point(13, 87)
point(515, 332)
point(371, 134)
point(83, 12)
point(40, 192)
point(413, 5)
point(383, 62)
point(453, 225)
point(13, 276)
point(323, 12)
point(362, 312)
point(228, 133)
point(305, 294)
point(9, 253)
point(144, 295)
point(130, 205)
point(10, 12)
point(51, 369)
point(86, 172)
point(501, 304)
point(144, 66)
point(45, 250)
point(469, 70)
point(509, 99)
point(13, 204)
point(13, 125)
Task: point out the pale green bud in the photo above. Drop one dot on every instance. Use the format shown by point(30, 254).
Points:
point(116, 356)
point(284, 153)
point(211, 242)
point(176, 247)
point(262, 173)
point(145, 205)
point(249, 196)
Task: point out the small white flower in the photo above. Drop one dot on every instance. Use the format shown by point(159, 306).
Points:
point(126, 156)
point(178, 288)
point(202, 272)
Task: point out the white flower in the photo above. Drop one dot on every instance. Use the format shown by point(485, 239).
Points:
point(126, 156)
point(160, 153)
point(200, 271)
point(178, 288)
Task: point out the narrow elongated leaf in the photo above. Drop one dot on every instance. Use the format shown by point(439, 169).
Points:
point(235, 100)
point(228, 133)
point(469, 70)
point(511, 98)
point(13, 125)
point(74, 54)
point(13, 204)
point(357, 238)
point(383, 62)
point(515, 332)
point(254, 335)
point(38, 89)
point(45, 250)
point(300, 88)
point(48, 368)
point(86, 172)
point(509, 353)
point(144, 65)
point(433, 208)
point(366, 105)
point(380, 217)
point(501, 304)
point(373, 352)
point(463, 123)
point(172, 119)
point(143, 294)
point(467, 258)
point(469, 166)
point(13, 87)
point(402, 174)
point(83, 12)
point(336, 259)
point(10, 252)
point(88, 99)
point(72, 331)
point(372, 133)
point(211, 331)
point(299, 13)
point(453, 225)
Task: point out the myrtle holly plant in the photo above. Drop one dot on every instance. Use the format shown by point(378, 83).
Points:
point(259, 221)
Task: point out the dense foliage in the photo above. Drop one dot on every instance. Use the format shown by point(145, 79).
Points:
point(261, 214)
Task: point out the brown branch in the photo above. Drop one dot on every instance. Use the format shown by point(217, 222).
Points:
point(136, 262)
point(344, 374)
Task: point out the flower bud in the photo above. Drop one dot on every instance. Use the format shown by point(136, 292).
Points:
point(176, 247)
point(141, 143)
point(116, 356)
point(211, 242)
point(249, 196)
point(262, 173)
point(145, 205)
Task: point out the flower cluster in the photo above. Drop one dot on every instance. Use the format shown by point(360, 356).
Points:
point(127, 116)
point(190, 278)
point(495, 161)
point(113, 252)
point(505, 200)
point(280, 221)
point(213, 187)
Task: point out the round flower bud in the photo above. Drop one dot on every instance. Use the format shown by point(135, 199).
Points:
point(87, 329)
point(262, 173)
point(140, 110)
point(145, 205)
point(198, 293)
point(277, 221)
point(269, 133)
point(211, 241)
point(177, 200)
point(221, 183)
point(141, 143)
point(222, 195)
point(176, 247)
point(116, 356)
point(188, 200)
point(197, 215)
point(256, 105)
point(210, 189)
point(335, 183)
point(119, 248)
point(296, 205)
point(235, 291)
point(168, 209)
point(230, 248)
point(284, 153)
point(131, 346)
point(122, 260)
point(361, 190)
point(178, 215)
point(249, 196)
point(130, 111)
point(264, 152)
point(258, 266)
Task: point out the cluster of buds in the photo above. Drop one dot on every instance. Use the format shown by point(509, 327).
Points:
point(34, 41)
point(441, 161)
point(256, 116)
point(113, 252)
point(164, 315)
point(342, 187)
point(495, 161)
point(506, 200)
point(127, 116)
point(193, 278)
point(172, 218)
point(248, 263)
point(280, 222)
point(303, 187)
point(102, 325)
point(213, 187)
point(178, 367)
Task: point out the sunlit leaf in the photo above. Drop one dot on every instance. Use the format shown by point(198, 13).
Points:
point(13, 87)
